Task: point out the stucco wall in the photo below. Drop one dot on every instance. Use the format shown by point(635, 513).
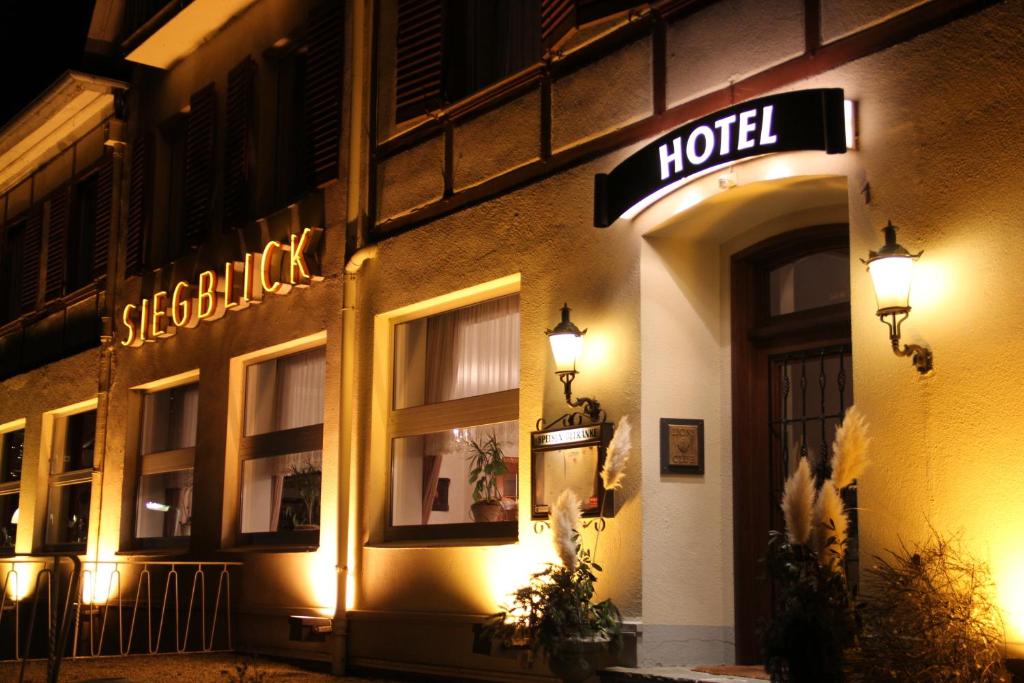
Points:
point(543, 233)
point(934, 124)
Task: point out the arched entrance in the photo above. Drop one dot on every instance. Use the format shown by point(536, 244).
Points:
point(792, 380)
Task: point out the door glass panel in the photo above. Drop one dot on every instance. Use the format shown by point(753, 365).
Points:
point(821, 279)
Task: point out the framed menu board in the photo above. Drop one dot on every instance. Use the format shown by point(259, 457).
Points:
point(570, 457)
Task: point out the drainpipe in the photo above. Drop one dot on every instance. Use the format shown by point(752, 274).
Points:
point(348, 464)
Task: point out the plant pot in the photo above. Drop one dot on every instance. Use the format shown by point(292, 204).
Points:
point(486, 511)
point(574, 661)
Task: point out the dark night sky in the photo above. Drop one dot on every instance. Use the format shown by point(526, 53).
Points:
point(39, 40)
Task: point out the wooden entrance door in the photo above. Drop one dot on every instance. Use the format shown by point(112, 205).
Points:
point(792, 381)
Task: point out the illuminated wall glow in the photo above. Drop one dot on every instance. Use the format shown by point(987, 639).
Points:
point(19, 578)
point(322, 578)
point(1008, 574)
point(509, 567)
point(101, 581)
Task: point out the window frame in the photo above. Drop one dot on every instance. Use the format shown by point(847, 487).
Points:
point(57, 434)
point(273, 444)
point(12, 488)
point(472, 411)
point(160, 462)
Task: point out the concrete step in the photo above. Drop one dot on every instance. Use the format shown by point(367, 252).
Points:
point(677, 674)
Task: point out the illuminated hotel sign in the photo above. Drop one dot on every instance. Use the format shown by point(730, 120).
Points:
point(279, 268)
point(800, 120)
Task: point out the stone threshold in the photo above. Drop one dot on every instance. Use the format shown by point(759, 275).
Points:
point(668, 674)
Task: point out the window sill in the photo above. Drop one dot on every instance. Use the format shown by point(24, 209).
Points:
point(270, 548)
point(156, 551)
point(451, 535)
point(443, 543)
point(51, 550)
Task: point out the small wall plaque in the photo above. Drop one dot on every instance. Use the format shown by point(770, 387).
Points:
point(682, 446)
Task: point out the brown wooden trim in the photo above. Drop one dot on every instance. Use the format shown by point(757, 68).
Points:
point(659, 66)
point(755, 337)
point(284, 442)
point(812, 25)
point(501, 406)
point(856, 46)
point(10, 488)
point(545, 117)
point(477, 104)
point(458, 534)
point(449, 159)
point(71, 478)
point(167, 461)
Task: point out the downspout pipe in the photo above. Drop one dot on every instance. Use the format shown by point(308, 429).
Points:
point(348, 465)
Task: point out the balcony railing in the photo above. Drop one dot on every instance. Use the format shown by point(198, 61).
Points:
point(113, 608)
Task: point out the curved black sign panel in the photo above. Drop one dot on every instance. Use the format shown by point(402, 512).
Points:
point(801, 120)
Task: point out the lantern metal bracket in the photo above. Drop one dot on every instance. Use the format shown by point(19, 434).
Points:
point(591, 409)
point(920, 356)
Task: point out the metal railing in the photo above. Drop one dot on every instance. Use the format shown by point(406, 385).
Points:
point(96, 608)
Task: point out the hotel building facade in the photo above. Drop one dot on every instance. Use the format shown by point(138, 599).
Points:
point(273, 273)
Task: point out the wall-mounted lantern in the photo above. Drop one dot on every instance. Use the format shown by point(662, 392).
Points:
point(892, 269)
point(566, 345)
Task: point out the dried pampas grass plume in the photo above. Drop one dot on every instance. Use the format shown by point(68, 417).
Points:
point(830, 521)
point(565, 521)
point(798, 503)
point(614, 470)
point(850, 449)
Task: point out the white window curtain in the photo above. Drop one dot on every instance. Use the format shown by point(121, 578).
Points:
point(285, 393)
point(473, 350)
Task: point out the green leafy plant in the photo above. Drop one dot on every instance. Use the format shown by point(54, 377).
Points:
point(556, 608)
point(487, 463)
point(815, 617)
point(555, 612)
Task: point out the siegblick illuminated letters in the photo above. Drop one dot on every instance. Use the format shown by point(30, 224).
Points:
point(279, 268)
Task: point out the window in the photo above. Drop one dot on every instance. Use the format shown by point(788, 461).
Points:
point(12, 260)
point(163, 508)
point(290, 168)
point(281, 449)
point(71, 464)
point(81, 241)
point(12, 450)
point(454, 431)
point(167, 243)
point(446, 50)
point(450, 49)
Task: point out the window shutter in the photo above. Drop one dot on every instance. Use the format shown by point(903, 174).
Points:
point(200, 131)
point(104, 206)
point(33, 246)
point(323, 89)
point(558, 18)
point(56, 243)
point(135, 240)
point(418, 53)
point(238, 142)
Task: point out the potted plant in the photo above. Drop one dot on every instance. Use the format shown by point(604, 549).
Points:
point(306, 480)
point(815, 618)
point(554, 614)
point(487, 463)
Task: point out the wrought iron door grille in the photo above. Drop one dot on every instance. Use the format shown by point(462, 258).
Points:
point(809, 392)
